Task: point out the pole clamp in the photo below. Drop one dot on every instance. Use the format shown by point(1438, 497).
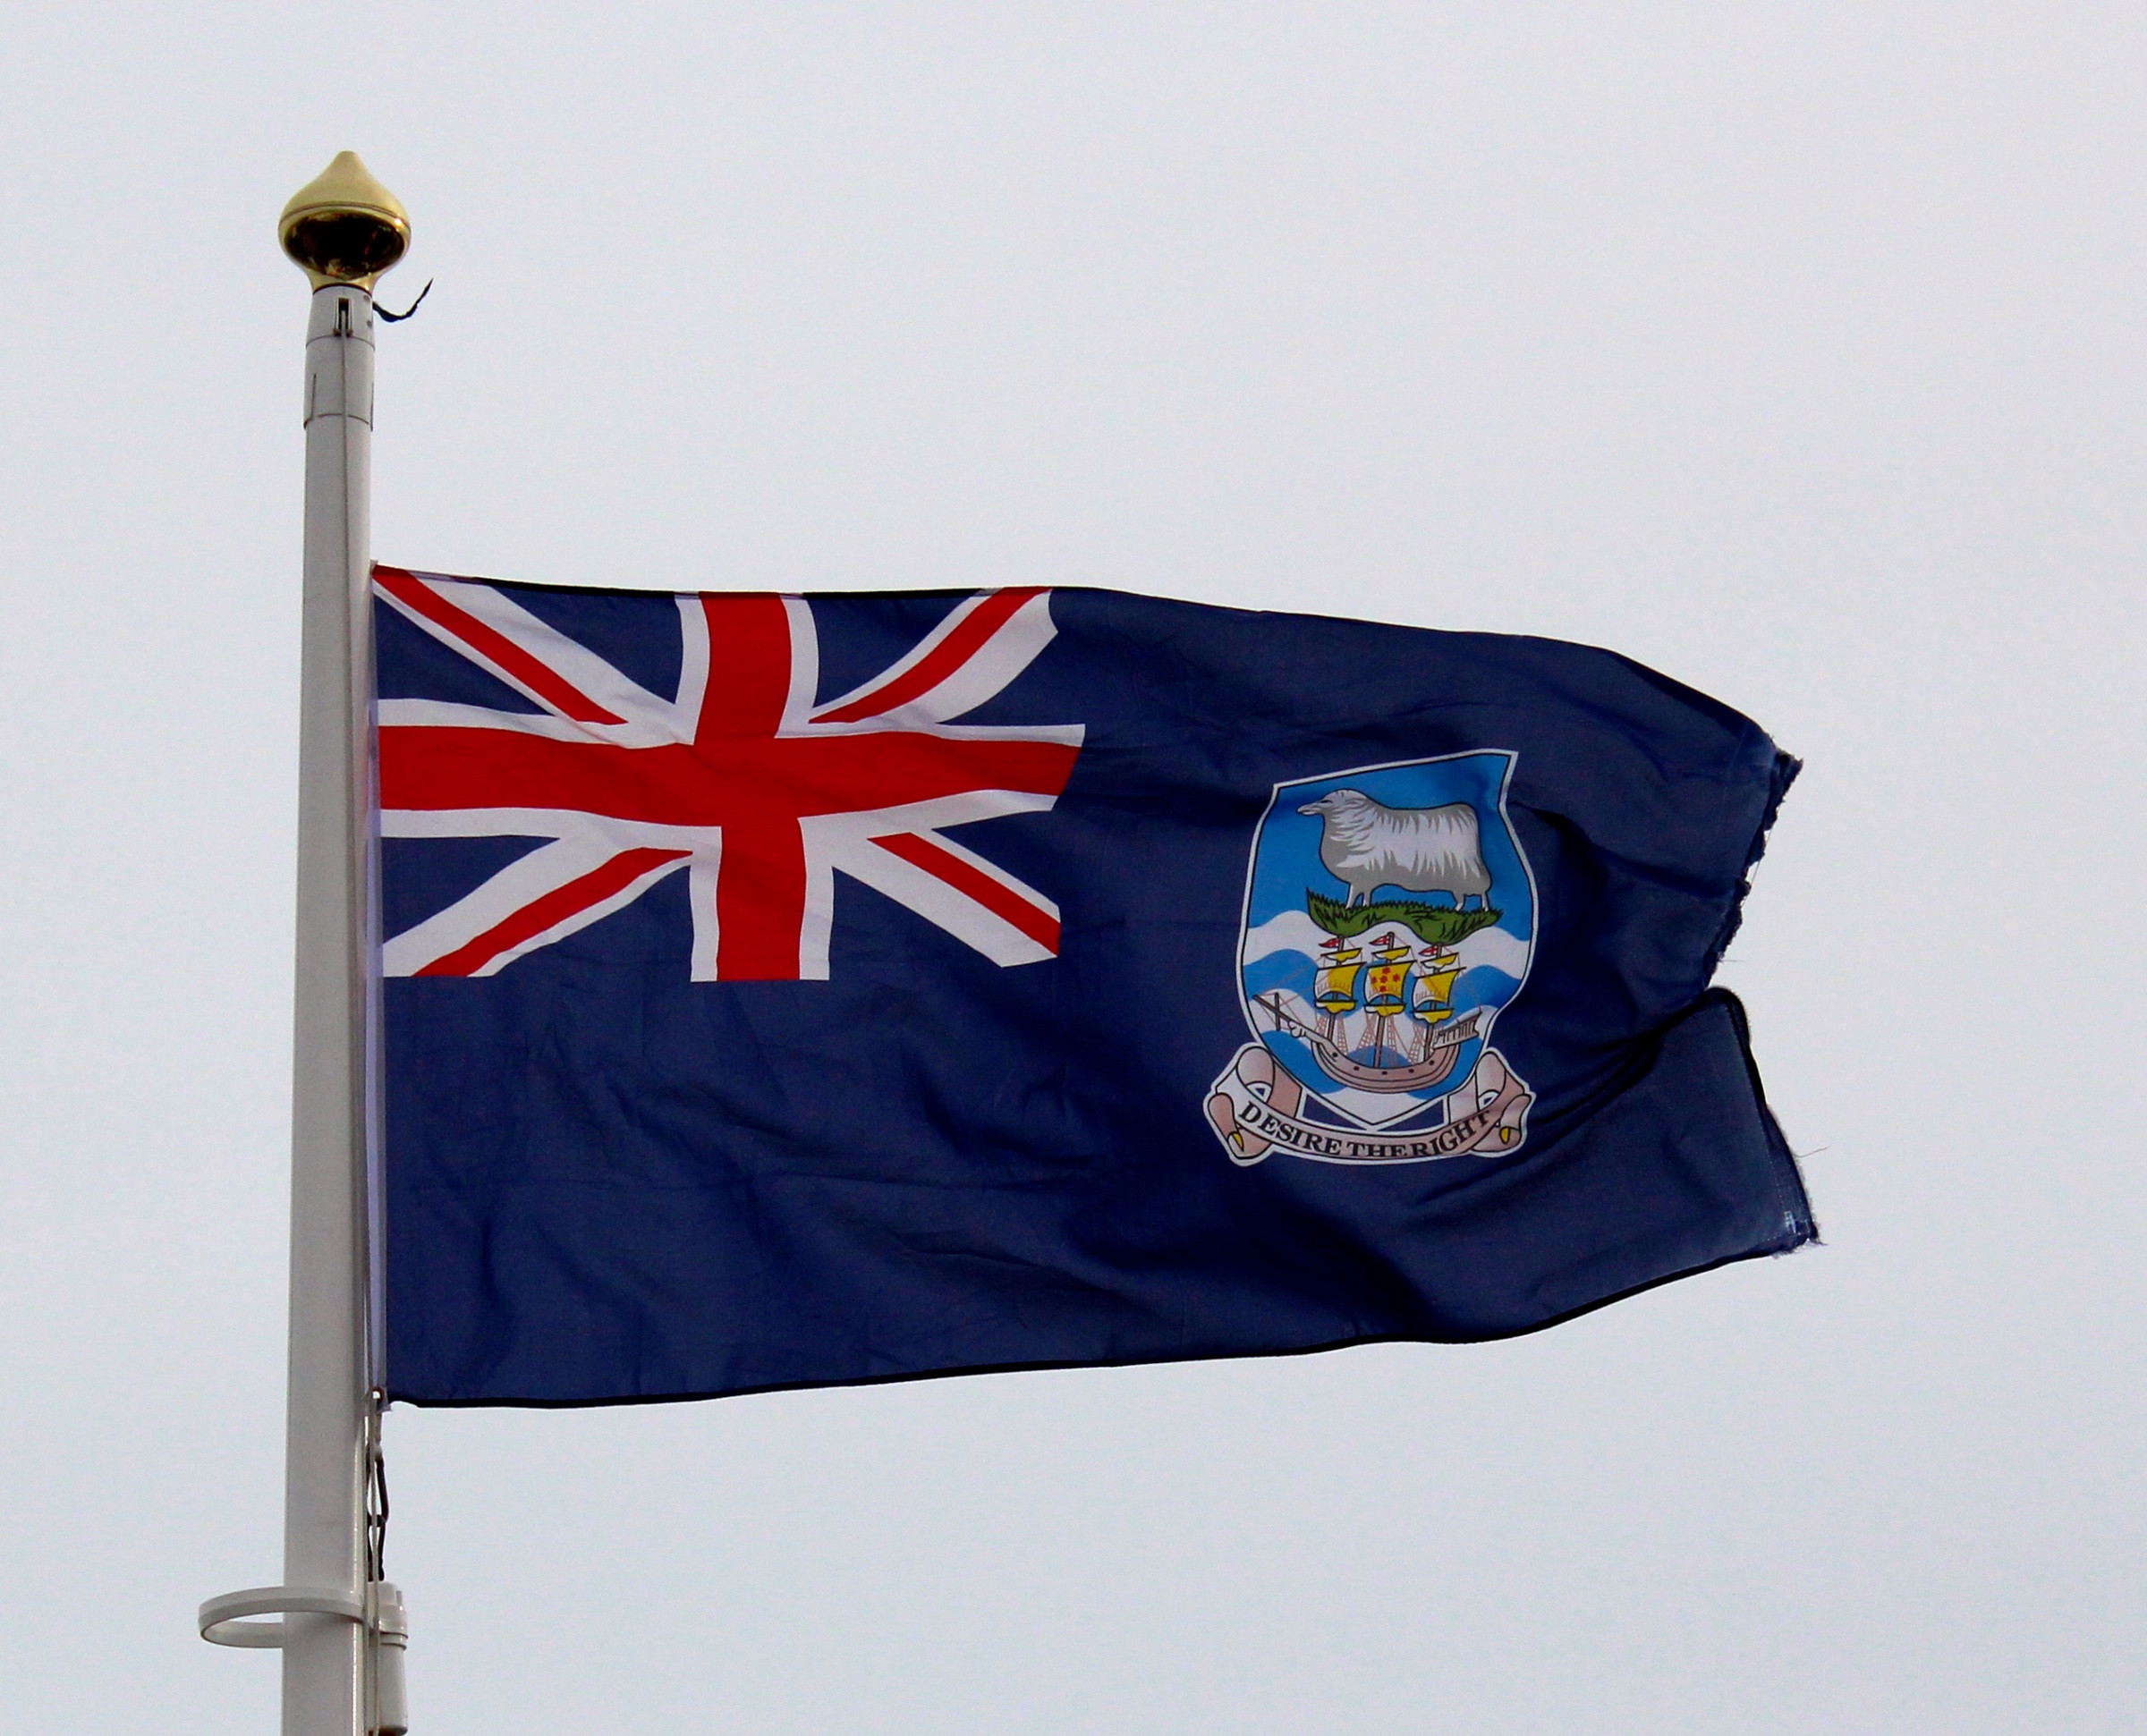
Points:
point(220, 1617)
point(380, 1612)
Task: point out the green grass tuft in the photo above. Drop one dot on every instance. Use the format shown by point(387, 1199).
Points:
point(1436, 925)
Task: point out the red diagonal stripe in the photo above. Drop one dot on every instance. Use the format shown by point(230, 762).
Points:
point(1039, 925)
point(555, 906)
point(948, 656)
point(546, 683)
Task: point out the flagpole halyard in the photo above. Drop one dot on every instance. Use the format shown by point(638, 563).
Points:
point(341, 1631)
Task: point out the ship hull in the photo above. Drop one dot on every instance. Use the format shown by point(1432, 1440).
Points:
point(1418, 1076)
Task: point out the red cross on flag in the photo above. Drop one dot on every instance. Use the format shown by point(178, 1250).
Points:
point(740, 779)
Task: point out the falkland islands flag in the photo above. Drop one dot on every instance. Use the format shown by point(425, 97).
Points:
point(788, 991)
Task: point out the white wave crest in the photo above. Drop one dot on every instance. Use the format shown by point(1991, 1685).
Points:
point(1291, 932)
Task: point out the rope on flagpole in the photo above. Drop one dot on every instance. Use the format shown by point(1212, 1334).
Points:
point(396, 318)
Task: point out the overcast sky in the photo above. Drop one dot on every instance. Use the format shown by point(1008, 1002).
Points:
point(1795, 350)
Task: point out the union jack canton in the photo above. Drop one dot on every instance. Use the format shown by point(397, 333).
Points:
point(739, 779)
point(786, 991)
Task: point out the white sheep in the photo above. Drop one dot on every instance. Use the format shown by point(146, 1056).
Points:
point(1367, 845)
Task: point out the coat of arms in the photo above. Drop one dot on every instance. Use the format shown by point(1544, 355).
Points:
point(1390, 916)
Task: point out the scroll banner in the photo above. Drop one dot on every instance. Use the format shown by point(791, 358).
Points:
point(1255, 1104)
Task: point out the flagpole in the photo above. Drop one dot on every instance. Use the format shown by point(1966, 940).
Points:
point(341, 1631)
point(329, 1423)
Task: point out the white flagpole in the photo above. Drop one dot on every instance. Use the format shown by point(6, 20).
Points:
point(342, 1633)
point(329, 1416)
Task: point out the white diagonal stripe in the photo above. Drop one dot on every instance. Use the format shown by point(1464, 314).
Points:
point(523, 881)
point(573, 663)
point(943, 905)
point(1021, 889)
point(581, 918)
point(978, 677)
point(917, 654)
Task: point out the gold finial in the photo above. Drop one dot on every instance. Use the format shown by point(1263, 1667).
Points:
point(344, 227)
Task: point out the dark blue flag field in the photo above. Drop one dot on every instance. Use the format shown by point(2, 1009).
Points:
point(789, 991)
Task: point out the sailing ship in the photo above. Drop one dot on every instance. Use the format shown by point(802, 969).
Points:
point(1335, 988)
point(1386, 1014)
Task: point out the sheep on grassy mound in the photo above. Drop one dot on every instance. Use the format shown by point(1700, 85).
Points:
point(1367, 845)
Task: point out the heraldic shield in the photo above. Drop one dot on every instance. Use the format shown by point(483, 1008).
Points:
point(1389, 917)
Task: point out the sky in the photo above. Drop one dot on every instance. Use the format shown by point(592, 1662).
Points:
point(1793, 350)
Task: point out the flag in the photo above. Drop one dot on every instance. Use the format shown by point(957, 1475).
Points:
point(788, 991)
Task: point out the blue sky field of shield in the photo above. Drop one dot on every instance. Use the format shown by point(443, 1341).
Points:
point(1280, 944)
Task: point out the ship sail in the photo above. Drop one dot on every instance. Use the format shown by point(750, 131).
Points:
point(1383, 990)
point(1334, 986)
point(1431, 994)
